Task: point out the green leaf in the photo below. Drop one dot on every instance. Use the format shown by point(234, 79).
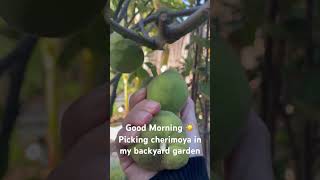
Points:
point(203, 42)
point(187, 66)
point(172, 4)
point(231, 98)
point(140, 73)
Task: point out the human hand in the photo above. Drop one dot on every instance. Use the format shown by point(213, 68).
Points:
point(141, 112)
point(84, 139)
point(251, 159)
point(188, 117)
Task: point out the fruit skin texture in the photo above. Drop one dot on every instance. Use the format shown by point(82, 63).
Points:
point(169, 89)
point(161, 161)
point(231, 99)
point(126, 55)
point(52, 18)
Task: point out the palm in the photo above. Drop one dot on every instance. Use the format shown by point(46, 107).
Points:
point(133, 171)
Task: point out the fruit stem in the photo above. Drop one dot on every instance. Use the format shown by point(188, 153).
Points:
point(49, 56)
point(138, 83)
point(126, 94)
point(165, 56)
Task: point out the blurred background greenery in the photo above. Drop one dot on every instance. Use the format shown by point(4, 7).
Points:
point(278, 44)
point(59, 71)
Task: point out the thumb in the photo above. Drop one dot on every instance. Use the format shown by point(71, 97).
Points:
point(188, 114)
point(188, 117)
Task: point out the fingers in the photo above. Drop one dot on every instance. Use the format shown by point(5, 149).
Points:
point(188, 112)
point(125, 160)
point(142, 113)
point(137, 118)
point(141, 174)
point(125, 134)
point(189, 118)
point(137, 97)
point(150, 106)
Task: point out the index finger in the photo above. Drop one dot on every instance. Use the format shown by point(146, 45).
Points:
point(137, 97)
point(142, 113)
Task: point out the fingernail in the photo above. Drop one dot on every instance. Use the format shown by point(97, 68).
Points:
point(153, 104)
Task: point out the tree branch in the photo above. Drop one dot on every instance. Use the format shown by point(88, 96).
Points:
point(13, 57)
point(135, 14)
point(176, 31)
point(154, 17)
point(116, 13)
point(145, 33)
point(123, 11)
point(169, 32)
point(115, 83)
point(127, 33)
point(115, 78)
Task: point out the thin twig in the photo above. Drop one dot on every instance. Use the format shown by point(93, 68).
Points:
point(116, 13)
point(115, 78)
point(172, 32)
point(154, 17)
point(145, 33)
point(127, 33)
point(176, 31)
point(114, 92)
point(132, 18)
point(123, 11)
point(23, 46)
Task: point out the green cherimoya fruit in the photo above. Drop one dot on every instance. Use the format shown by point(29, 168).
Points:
point(163, 160)
point(169, 89)
point(126, 56)
point(231, 99)
point(114, 38)
point(51, 18)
